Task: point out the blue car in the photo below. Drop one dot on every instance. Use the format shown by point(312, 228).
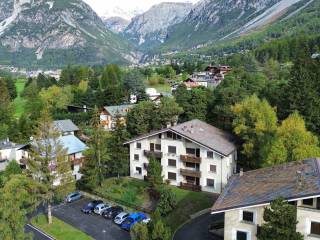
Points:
point(73, 197)
point(132, 220)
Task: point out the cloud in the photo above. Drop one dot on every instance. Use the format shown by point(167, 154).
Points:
point(122, 8)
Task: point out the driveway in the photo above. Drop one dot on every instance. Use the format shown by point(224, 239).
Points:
point(198, 228)
point(93, 225)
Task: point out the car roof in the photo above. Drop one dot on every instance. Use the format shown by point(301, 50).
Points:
point(122, 214)
point(101, 204)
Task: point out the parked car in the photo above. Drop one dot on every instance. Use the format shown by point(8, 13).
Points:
point(100, 208)
point(112, 212)
point(146, 221)
point(89, 207)
point(120, 218)
point(72, 197)
point(132, 220)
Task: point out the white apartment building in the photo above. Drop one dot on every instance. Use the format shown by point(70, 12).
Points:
point(193, 155)
point(246, 196)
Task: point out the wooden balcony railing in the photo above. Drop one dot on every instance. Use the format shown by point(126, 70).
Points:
point(190, 186)
point(190, 173)
point(152, 154)
point(190, 159)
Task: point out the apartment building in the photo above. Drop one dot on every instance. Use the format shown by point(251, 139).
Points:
point(110, 115)
point(246, 196)
point(193, 155)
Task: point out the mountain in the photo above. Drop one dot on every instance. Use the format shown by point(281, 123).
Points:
point(150, 28)
point(116, 24)
point(211, 21)
point(52, 33)
point(119, 12)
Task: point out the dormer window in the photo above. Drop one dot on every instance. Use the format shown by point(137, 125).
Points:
point(308, 202)
point(248, 216)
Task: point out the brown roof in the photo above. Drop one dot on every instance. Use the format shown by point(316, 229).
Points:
point(292, 180)
point(201, 133)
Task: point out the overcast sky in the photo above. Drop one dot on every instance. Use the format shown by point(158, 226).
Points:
point(111, 7)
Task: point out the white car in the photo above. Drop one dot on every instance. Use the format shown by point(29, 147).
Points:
point(99, 209)
point(121, 217)
point(146, 221)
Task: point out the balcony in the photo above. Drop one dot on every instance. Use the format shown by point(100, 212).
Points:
point(149, 154)
point(190, 186)
point(190, 173)
point(190, 159)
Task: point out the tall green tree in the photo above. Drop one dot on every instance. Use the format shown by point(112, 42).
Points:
point(280, 222)
point(155, 173)
point(6, 110)
point(18, 197)
point(97, 164)
point(169, 112)
point(255, 123)
point(48, 162)
point(140, 232)
point(119, 152)
point(157, 228)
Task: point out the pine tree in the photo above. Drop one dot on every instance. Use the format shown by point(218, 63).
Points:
point(48, 162)
point(280, 222)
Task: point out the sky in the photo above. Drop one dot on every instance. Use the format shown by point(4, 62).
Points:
point(125, 8)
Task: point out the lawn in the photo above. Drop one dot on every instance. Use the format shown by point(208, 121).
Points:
point(132, 191)
point(19, 101)
point(59, 229)
point(127, 191)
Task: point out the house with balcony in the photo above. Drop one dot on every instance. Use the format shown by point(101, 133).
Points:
point(110, 115)
point(193, 155)
point(247, 194)
point(66, 127)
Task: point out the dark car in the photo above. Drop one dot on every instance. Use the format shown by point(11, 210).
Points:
point(112, 212)
point(89, 207)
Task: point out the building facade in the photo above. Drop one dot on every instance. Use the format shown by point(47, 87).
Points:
point(245, 198)
point(193, 155)
point(110, 115)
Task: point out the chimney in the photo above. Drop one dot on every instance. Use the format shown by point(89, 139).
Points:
point(241, 172)
point(299, 177)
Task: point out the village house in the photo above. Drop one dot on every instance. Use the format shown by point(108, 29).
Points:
point(193, 155)
point(10, 151)
point(247, 194)
point(110, 115)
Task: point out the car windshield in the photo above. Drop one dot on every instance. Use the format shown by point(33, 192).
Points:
point(128, 221)
point(90, 204)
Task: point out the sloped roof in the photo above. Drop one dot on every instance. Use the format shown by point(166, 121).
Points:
point(201, 133)
point(65, 126)
point(6, 144)
point(72, 144)
point(120, 110)
point(293, 180)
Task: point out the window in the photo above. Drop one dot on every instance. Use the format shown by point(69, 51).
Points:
point(139, 170)
point(138, 145)
point(209, 154)
point(172, 162)
point(169, 134)
point(191, 151)
point(136, 157)
point(241, 235)
point(315, 228)
point(172, 149)
point(190, 165)
point(210, 183)
point(160, 135)
point(213, 168)
point(308, 202)
point(248, 216)
point(158, 147)
point(172, 176)
point(179, 137)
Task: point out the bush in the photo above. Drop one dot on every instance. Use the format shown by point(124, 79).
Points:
point(168, 200)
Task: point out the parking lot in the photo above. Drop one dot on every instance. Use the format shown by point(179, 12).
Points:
point(92, 224)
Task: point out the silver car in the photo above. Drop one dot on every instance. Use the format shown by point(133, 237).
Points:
point(99, 209)
point(121, 217)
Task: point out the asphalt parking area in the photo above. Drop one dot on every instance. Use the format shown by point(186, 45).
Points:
point(92, 224)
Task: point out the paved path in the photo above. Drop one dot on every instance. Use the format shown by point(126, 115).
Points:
point(198, 228)
point(37, 235)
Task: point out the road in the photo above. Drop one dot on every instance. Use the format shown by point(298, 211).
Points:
point(198, 228)
point(36, 234)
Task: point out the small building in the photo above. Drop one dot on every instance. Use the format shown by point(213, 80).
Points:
point(10, 151)
point(110, 115)
point(247, 195)
point(193, 155)
point(66, 127)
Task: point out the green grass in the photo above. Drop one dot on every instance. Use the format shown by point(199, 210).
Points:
point(133, 191)
point(59, 229)
point(128, 191)
point(189, 203)
point(19, 102)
